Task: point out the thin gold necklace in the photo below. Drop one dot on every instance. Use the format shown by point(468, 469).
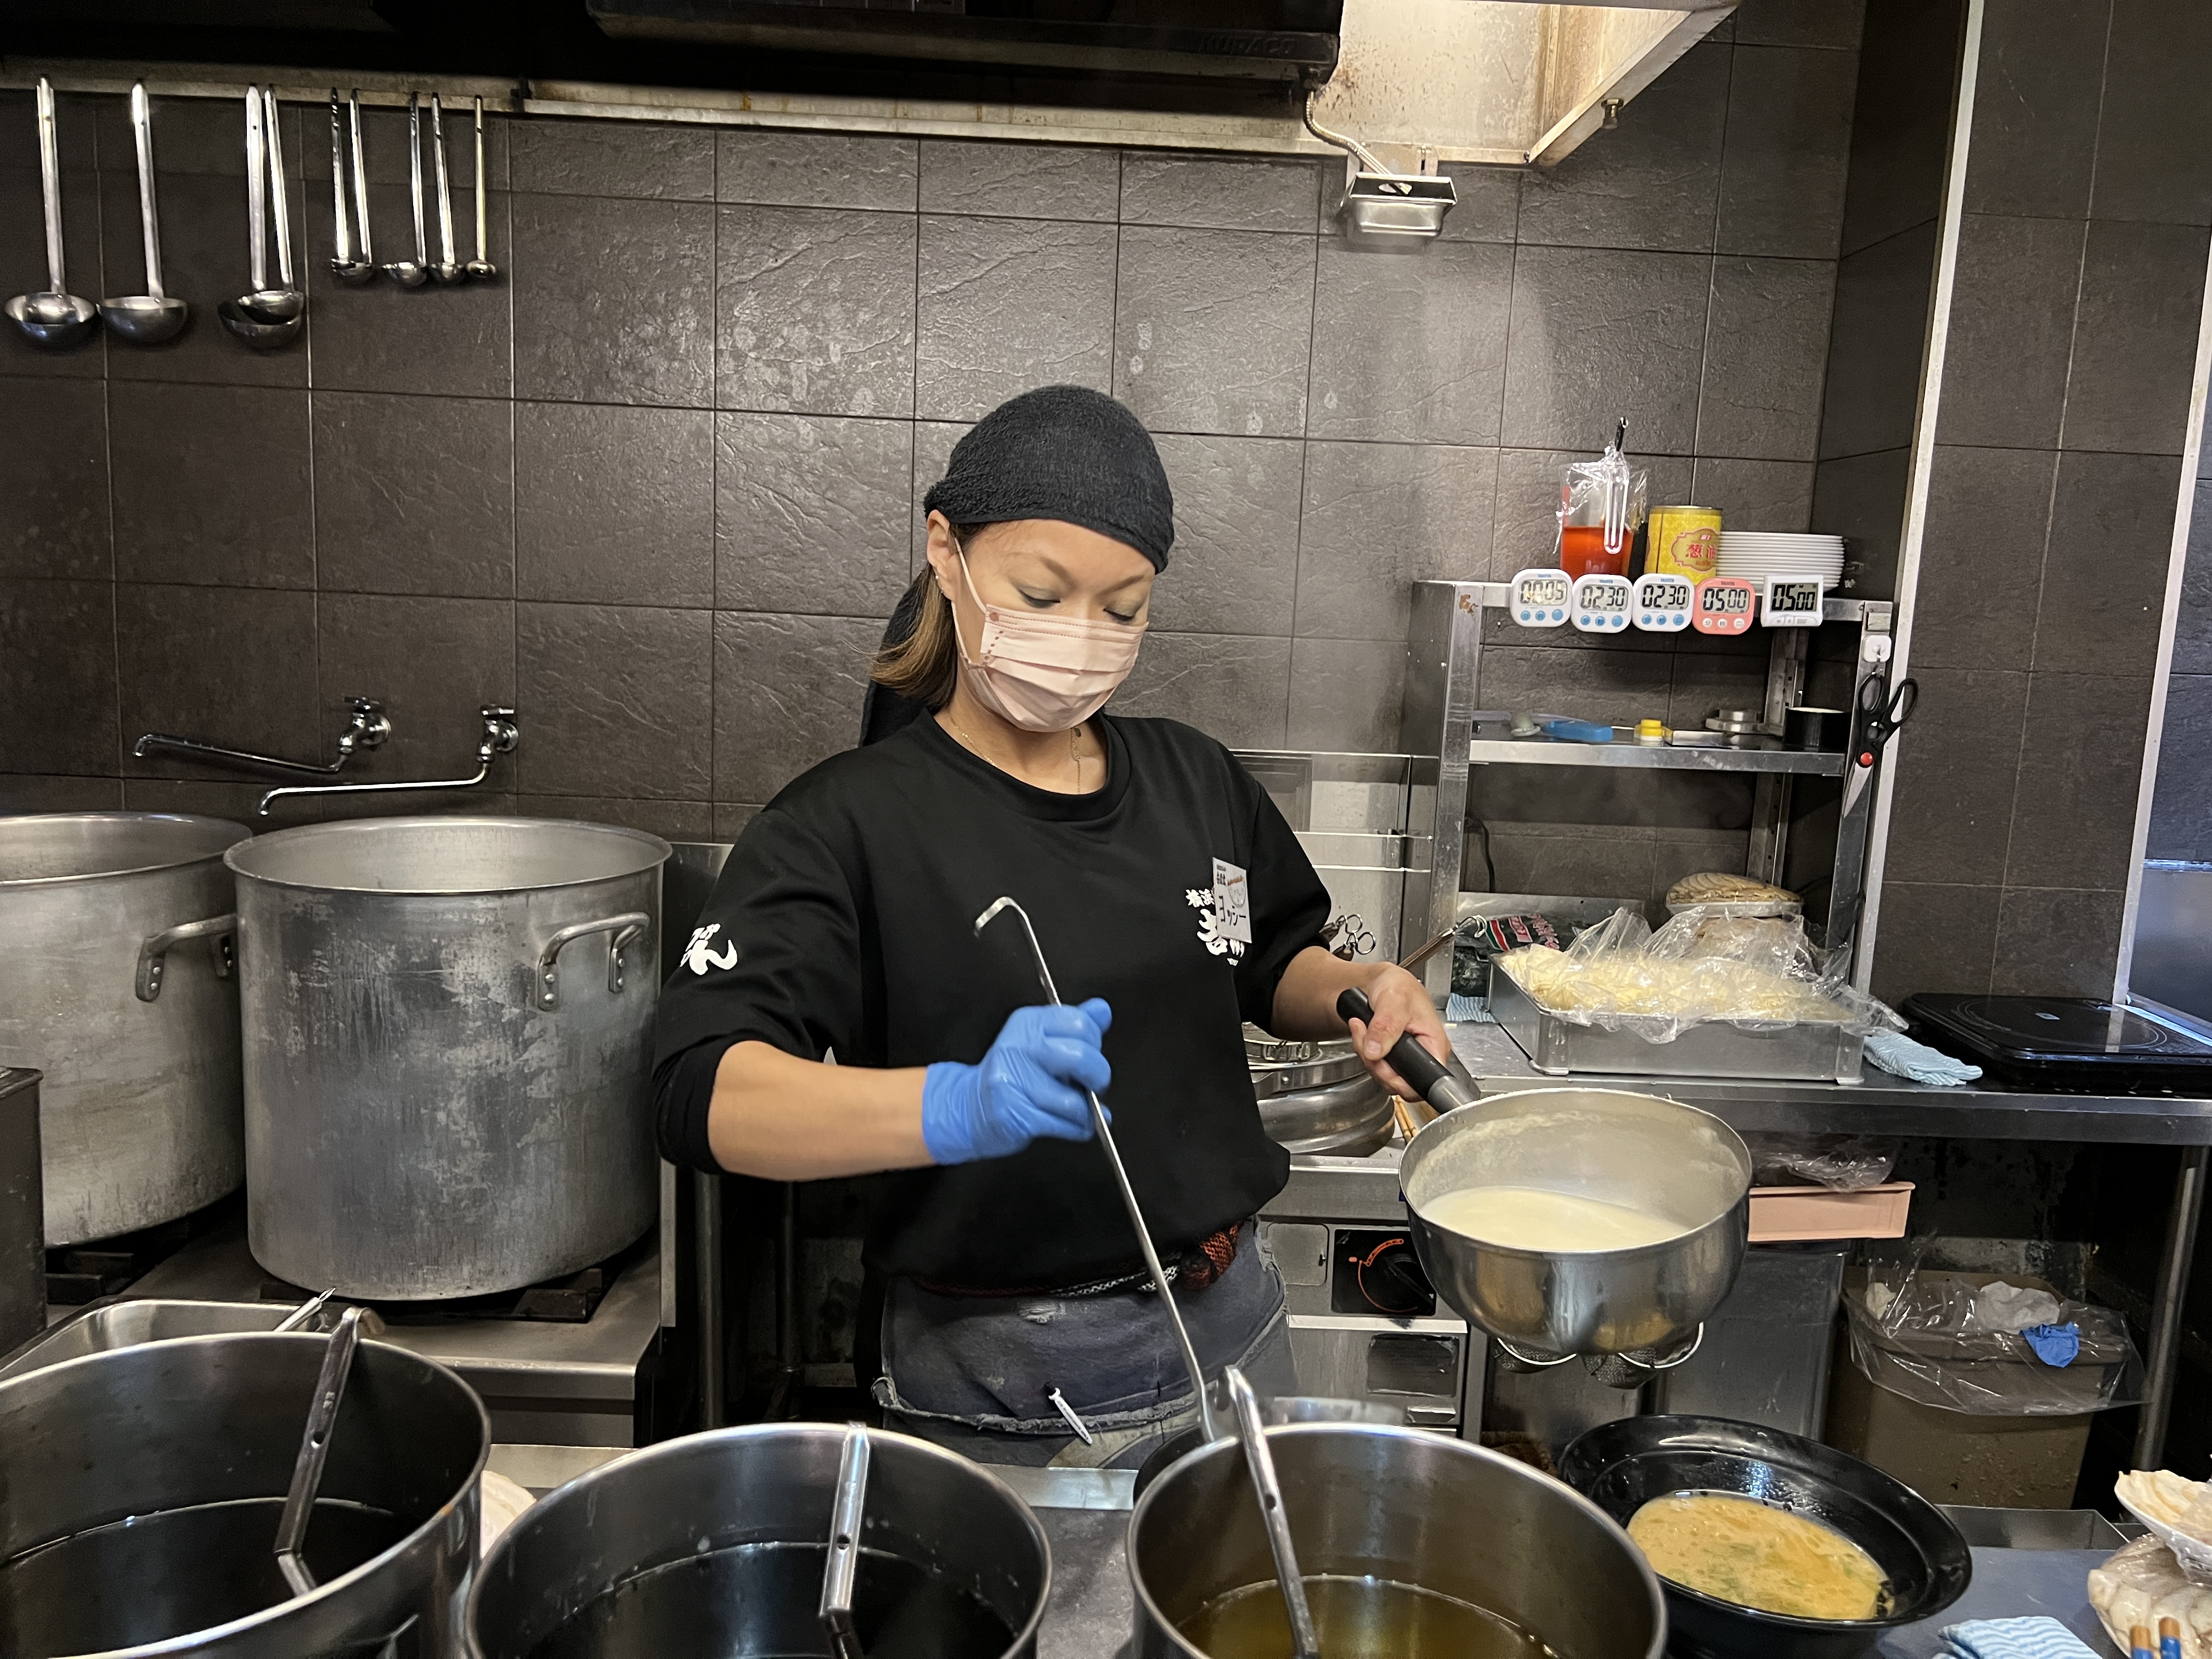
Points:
point(1074, 747)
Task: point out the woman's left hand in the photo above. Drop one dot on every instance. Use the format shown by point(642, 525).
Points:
point(1401, 1004)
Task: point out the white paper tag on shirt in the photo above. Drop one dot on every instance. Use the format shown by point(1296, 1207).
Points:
point(1232, 903)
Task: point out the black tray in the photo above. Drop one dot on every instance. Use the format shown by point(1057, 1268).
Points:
point(2065, 1043)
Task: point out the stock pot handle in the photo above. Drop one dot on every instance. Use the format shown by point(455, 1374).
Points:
point(153, 955)
point(630, 925)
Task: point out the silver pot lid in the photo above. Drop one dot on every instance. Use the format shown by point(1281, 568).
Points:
point(1281, 1065)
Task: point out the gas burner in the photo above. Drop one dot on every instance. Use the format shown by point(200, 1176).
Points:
point(570, 1300)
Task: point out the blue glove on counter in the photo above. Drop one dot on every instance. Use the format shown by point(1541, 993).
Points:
point(1031, 1084)
point(1896, 1053)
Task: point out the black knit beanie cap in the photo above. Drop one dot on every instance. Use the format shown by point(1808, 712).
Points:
point(1064, 453)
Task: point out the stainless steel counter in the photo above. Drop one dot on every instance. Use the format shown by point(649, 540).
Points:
point(1366, 1188)
point(1882, 1105)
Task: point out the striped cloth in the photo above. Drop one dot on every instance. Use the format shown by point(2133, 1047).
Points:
point(2015, 1639)
point(1466, 1011)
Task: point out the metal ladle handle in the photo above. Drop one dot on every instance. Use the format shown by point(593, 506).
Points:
point(415, 172)
point(1305, 1643)
point(1100, 1127)
point(341, 228)
point(279, 207)
point(835, 1613)
point(314, 1451)
point(360, 174)
point(149, 215)
point(50, 189)
point(257, 194)
point(445, 192)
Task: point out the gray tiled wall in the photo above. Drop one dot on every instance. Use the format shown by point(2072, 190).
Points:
point(2065, 408)
point(659, 485)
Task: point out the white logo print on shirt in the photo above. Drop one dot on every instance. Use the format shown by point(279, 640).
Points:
point(699, 955)
point(1209, 934)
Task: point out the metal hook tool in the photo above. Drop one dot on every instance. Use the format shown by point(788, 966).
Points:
point(1105, 1134)
point(1260, 1462)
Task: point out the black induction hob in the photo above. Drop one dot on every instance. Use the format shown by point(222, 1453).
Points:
point(2066, 1042)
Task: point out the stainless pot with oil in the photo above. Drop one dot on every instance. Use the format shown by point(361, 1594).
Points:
point(1409, 1543)
point(720, 1543)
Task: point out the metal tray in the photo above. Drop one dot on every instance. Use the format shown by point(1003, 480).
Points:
point(126, 1323)
point(1810, 1052)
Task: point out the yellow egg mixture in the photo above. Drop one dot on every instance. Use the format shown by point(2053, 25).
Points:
point(1757, 1556)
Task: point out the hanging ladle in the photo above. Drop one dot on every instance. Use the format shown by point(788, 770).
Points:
point(1260, 1464)
point(1104, 1131)
point(481, 268)
point(413, 273)
point(53, 316)
point(314, 1451)
point(448, 269)
point(150, 318)
point(349, 267)
point(256, 315)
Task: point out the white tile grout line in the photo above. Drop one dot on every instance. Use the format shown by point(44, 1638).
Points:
point(2170, 619)
point(1924, 462)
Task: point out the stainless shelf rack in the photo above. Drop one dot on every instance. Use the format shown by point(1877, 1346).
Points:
point(1444, 672)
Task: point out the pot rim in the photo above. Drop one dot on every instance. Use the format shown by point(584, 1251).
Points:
point(1655, 1588)
point(18, 884)
point(190, 1641)
point(280, 838)
point(584, 1489)
point(1484, 1106)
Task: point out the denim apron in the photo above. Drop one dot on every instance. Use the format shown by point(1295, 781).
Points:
point(977, 1374)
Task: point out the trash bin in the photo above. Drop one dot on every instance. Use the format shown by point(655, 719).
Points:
point(1964, 1412)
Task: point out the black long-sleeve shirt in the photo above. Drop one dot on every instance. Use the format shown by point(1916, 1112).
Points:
point(844, 921)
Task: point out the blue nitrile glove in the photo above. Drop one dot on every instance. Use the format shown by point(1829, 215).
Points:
point(1031, 1084)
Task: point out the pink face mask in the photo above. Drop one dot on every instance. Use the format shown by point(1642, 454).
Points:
point(1044, 673)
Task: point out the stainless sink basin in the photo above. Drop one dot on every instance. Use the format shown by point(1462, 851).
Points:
point(125, 1324)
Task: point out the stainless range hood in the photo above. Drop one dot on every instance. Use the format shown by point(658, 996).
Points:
point(1290, 41)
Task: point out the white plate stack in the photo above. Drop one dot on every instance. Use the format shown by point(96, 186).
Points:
point(1755, 554)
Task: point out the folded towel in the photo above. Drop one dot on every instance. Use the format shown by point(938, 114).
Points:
point(1896, 1053)
point(2015, 1639)
point(1466, 1011)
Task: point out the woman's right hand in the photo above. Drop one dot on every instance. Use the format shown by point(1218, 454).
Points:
point(1029, 1085)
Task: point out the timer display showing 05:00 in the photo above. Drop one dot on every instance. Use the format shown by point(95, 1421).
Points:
point(1726, 604)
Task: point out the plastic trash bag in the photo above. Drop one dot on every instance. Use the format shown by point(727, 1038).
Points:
point(1940, 1339)
point(1844, 1163)
point(2140, 1584)
point(1757, 972)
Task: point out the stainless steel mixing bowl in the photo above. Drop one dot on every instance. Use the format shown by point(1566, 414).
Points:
point(1668, 1159)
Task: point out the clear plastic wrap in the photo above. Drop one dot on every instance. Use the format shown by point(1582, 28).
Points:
point(1602, 504)
point(1941, 1339)
point(2140, 1584)
point(1756, 972)
point(1844, 1164)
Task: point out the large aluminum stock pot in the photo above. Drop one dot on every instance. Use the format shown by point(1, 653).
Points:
point(115, 981)
point(144, 1487)
point(1371, 1507)
point(1673, 1161)
point(719, 1543)
point(448, 1027)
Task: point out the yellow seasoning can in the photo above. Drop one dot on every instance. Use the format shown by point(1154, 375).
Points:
point(1684, 541)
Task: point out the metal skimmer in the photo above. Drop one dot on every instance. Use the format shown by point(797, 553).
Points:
point(1105, 1134)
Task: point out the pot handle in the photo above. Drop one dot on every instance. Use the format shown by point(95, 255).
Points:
point(630, 925)
point(153, 955)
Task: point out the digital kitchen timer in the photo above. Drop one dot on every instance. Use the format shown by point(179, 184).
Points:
point(1662, 602)
point(1602, 604)
point(1540, 598)
point(1725, 605)
point(1791, 602)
